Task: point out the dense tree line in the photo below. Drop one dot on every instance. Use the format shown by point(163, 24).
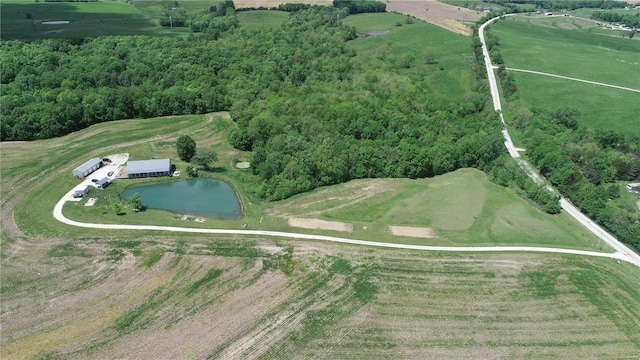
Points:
point(309, 117)
point(361, 6)
point(561, 4)
point(631, 19)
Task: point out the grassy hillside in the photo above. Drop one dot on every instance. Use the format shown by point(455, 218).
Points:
point(462, 208)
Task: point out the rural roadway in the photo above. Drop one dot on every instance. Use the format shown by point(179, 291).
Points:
point(621, 251)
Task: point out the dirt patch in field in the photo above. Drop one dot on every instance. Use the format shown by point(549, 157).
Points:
point(320, 224)
point(410, 231)
point(452, 18)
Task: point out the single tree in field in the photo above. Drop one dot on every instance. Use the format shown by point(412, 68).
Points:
point(135, 202)
point(204, 157)
point(186, 147)
point(116, 208)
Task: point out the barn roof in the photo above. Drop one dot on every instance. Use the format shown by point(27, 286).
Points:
point(148, 166)
point(88, 165)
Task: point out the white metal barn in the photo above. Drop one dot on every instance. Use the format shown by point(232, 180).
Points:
point(87, 168)
point(148, 168)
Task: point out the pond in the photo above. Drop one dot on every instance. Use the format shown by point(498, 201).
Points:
point(204, 197)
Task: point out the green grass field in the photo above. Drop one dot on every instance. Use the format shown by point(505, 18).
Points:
point(449, 73)
point(260, 19)
point(601, 107)
point(553, 44)
point(462, 208)
point(22, 19)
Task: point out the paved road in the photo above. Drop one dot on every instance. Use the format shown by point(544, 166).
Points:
point(621, 249)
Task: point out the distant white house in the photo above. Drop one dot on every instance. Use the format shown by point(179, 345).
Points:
point(633, 188)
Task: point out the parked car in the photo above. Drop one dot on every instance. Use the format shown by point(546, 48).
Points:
point(110, 173)
point(107, 160)
point(94, 180)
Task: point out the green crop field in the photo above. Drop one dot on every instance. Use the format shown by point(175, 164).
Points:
point(22, 19)
point(553, 44)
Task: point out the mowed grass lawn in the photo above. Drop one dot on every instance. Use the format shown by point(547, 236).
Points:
point(566, 46)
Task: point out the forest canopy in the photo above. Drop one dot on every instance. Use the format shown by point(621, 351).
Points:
point(309, 116)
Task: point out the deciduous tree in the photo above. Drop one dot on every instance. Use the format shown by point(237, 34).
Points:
point(186, 147)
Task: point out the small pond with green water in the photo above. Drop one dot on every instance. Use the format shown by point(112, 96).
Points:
point(204, 197)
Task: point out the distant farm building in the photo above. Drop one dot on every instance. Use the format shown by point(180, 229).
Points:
point(81, 191)
point(87, 168)
point(633, 188)
point(148, 168)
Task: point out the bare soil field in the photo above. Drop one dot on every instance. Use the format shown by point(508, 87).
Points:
point(319, 224)
point(410, 231)
point(450, 17)
point(228, 298)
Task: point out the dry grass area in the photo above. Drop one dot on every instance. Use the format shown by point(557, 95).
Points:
point(450, 17)
point(328, 199)
point(409, 231)
point(229, 298)
point(319, 224)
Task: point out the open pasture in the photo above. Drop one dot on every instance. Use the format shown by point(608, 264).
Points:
point(23, 20)
point(548, 45)
point(450, 55)
point(462, 207)
point(260, 19)
point(204, 297)
point(601, 107)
